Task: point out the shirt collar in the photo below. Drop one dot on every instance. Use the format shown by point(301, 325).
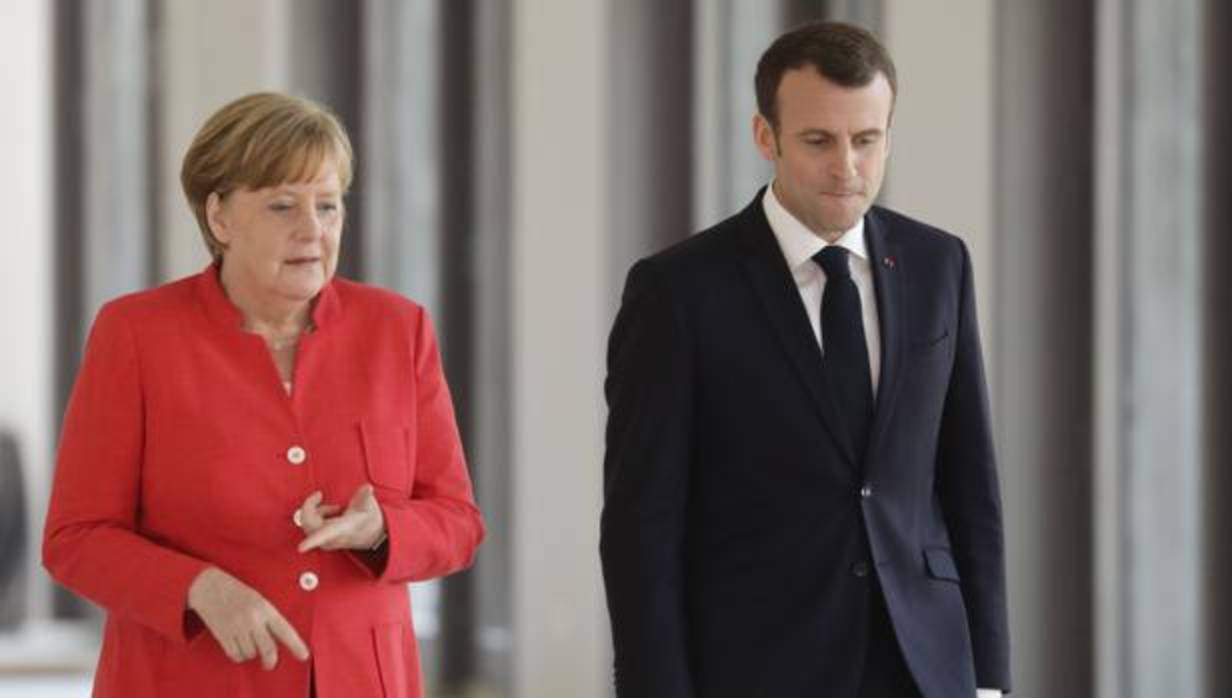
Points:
point(798, 243)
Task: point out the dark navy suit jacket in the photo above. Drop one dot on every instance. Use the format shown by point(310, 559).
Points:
point(740, 527)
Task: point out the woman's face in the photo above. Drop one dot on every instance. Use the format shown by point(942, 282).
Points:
point(281, 241)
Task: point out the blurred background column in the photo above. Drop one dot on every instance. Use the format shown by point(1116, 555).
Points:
point(1217, 360)
point(208, 53)
point(1040, 336)
point(26, 194)
point(729, 37)
point(1149, 340)
point(561, 222)
point(104, 235)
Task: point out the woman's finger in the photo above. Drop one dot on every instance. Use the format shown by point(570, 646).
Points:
point(364, 499)
point(266, 647)
point(310, 516)
point(285, 633)
point(327, 535)
point(247, 648)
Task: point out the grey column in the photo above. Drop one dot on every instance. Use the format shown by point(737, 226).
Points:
point(491, 434)
point(1217, 481)
point(651, 129)
point(1042, 336)
point(402, 201)
point(115, 152)
point(866, 13)
point(559, 258)
point(1149, 387)
point(105, 250)
point(730, 35)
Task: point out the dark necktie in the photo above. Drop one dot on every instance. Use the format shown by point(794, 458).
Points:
point(845, 359)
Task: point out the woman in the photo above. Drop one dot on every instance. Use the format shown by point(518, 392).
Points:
point(256, 459)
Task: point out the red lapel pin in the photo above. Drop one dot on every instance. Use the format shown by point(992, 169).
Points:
point(888, 262)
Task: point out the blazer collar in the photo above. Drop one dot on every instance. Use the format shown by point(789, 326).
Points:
point(767, 270)
point(888, 267)
point(771, 277)
point(221, 310)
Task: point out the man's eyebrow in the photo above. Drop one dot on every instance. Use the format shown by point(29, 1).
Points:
point(829, 134)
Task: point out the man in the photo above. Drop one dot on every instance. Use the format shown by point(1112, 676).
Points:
point(800, 490)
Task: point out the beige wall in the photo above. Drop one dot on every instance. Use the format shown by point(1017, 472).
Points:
point(560, 299)
point(941, 161)
point(26, 237)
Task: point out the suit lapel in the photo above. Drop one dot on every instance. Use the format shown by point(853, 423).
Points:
point(772, 281)
point(886, 262)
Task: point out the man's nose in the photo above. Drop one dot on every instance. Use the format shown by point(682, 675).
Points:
point(843, 162)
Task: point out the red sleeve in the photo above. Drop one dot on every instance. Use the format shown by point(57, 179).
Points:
point(92, 543)
point(437, 530)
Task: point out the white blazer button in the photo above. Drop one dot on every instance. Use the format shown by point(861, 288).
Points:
point(298, 518)
point(308, 581)
point(296, 455)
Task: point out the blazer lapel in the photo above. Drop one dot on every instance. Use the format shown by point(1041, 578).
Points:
point(886, 262)
point(774, 286)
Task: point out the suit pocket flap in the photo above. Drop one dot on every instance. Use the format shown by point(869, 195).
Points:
point(387, 454)
point(940, 564)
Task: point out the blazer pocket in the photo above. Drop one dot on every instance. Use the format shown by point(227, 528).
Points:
point(927, 348)
point(387, 454)
point(940, 564)
point(396, 661)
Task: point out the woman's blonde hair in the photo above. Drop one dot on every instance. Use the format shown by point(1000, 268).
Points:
point(261, 140)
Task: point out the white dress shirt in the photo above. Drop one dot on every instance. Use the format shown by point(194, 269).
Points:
point(799, 244)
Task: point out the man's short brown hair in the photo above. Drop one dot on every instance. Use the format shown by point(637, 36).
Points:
point(261, 140)
point(842, 53)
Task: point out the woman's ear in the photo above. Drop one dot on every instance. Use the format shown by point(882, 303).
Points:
point(216, 218)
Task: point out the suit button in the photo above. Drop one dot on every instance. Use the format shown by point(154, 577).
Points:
point(296, 455)
point(298, 518)
point(860, 569)
point(866, 491)
point(308, 581)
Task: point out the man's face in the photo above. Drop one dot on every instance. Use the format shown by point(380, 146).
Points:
point(830, 149)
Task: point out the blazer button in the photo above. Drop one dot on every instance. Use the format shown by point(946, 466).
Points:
point(860, 569)
point(298, 518)
point(308, 581)
point(296, 455)
point(866, 491)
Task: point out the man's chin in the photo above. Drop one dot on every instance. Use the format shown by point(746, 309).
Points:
point(841, 223)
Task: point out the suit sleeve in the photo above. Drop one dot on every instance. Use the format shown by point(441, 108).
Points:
point(970, 496)
point(438, 529)
point(91, 542)
point(646, 480)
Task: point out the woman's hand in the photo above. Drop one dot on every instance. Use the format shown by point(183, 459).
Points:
point(360, 527)
point(241, 620)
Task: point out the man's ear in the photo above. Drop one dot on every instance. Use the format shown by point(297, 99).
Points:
point(765, 138)
point(216, 219)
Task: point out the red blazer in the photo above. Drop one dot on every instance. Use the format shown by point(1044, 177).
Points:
point(181, 450)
